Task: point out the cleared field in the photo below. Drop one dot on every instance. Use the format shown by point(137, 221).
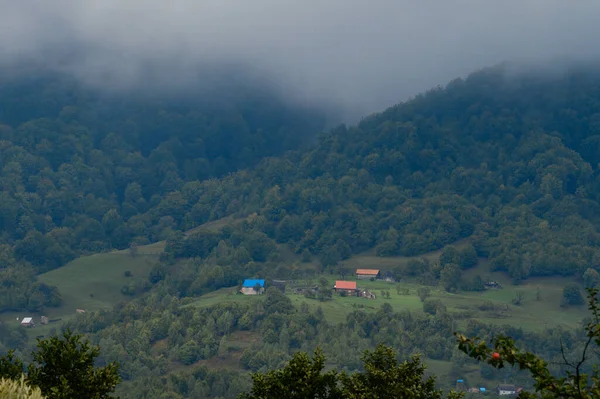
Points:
point(539, 308)
point(94, 282)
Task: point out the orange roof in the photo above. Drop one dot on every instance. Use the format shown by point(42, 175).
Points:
point(345, 285)
point(367, 271)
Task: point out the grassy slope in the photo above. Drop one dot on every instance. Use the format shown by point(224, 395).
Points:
point(94, 282)
point(532, 315)
point(102, 275)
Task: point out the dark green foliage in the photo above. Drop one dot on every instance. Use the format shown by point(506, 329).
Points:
point(64, 368)
point(591, 278)
point(277, 302)
point(21, 291)
point(423, 293)
point(383, 377)
point(450, 277)
point(11, 367)
point(434, 306)
point(325, 291)
point(572, 295)
point(301, 378)
point(467, 257)
point(83, 171)
point(492, 167)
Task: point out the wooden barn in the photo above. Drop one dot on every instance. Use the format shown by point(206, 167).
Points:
point(367, 274)
point(349, 287)
point(27, 322)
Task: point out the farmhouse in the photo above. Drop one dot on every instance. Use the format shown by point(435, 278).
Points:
point(364, 274)
point(492, 285)
point(345, 286)
point(506, 390)
point(253, 287)
point(27, 322)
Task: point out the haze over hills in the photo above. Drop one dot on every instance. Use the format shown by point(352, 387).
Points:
point(492, 175)
point(78, 162)
point(358, 55)
point(156, 154)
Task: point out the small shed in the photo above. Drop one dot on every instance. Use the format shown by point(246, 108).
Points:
point(253, 287)
point(492, 285)
point(279, 284)
point(366, 274)
point(346, 286)
point(27, 322)
point(506, 390)
point(80, 311)
point(43, 320)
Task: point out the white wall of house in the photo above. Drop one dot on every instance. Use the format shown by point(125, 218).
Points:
point(506, 393)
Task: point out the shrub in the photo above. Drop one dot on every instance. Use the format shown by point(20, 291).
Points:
point(18, 389)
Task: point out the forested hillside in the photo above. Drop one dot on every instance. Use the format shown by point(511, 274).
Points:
point(508, 161)
point(502, 165)
point(80, 166)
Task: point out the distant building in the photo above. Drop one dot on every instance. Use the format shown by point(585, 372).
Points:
point(365, 274)
point(346, 286)
point(80, 310)
point(366, 294)
point(253, 287)
point(279, 284)
point(43, 320)
point(492, 284)
point(27, 322)
point(506, 390)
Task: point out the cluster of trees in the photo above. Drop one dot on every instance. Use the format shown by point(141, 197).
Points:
point(509, 164)
point(84, 171)
point(68, 366)
point(155, 335)
point(481, 158)
point(61, 367)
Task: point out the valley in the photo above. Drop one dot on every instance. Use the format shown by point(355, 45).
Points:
point(135, 222)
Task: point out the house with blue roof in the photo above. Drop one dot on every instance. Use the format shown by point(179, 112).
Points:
point(253, 287)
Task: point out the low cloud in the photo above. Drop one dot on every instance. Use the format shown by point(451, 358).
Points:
point(362, 55)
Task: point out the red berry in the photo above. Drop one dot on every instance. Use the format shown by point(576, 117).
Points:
point(496, 356)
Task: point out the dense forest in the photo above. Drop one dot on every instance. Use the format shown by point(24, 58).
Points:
point(507, 163)
point(82, 169)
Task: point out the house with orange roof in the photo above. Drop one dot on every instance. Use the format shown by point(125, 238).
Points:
point(349, 287)
point(367, 274)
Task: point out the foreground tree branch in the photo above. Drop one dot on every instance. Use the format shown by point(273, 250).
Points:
point(575, 384)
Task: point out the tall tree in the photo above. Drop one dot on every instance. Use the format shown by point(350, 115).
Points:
point(63, 368)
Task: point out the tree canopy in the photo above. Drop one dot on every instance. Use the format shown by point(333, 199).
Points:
point(63, 367)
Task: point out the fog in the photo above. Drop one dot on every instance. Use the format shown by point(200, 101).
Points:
point(361, 55)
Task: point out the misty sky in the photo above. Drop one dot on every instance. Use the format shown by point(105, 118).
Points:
point(364, 54)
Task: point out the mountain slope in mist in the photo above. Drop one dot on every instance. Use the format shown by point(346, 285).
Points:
point(506, 159)
point(80, 165)
point(500, 164)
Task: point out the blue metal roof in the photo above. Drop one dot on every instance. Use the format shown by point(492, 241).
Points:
point(252, 283)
